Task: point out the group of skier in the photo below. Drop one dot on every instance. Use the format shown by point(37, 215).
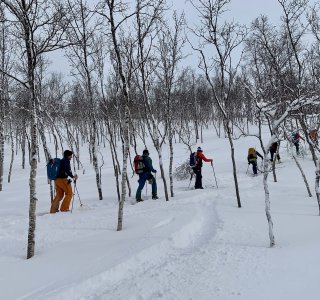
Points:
point(145, 170)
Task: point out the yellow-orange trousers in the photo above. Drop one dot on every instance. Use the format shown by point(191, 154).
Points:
point(63, 189)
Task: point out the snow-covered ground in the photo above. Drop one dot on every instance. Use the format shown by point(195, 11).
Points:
point(199, 245)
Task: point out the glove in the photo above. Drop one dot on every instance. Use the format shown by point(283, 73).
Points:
point(154, 171)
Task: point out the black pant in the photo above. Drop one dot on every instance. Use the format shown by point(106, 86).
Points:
point(297, 147)
point(254, 166)
point(198, 184)
point(272, 153)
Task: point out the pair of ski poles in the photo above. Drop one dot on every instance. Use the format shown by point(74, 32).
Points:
point(75, 191)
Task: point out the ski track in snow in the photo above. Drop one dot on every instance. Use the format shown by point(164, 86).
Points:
point(195, 257)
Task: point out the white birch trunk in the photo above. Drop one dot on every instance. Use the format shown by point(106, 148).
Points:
point(12, 153)
point(303, 175)
point(267, 199)
point(159, 150)
point(171, 164)
point(124, 169)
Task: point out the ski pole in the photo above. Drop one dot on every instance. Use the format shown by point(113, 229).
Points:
point(214, 173)
point(76, 189)
point(72, 199)
point(247, 169)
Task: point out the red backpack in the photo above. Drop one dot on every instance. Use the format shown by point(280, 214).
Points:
point(138, 164)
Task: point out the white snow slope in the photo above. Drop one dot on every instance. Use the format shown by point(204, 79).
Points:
point(198, 245)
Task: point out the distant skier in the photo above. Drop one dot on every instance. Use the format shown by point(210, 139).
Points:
point(196, 164)
point(273, 150)
point(314, 136)
point(295, 138)
point(252, 159)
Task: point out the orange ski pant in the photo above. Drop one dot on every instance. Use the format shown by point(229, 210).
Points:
point(63, 189)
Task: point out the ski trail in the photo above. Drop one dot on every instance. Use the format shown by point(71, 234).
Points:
point(200, 228)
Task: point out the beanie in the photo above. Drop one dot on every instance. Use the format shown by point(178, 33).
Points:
point(199, 149)
point(145, 152)
point(67, 153)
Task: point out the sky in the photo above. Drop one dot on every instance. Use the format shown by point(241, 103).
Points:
point(242, 11)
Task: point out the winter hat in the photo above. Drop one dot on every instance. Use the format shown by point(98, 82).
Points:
point(145, 152)
point(67, 153)
point(199, 149)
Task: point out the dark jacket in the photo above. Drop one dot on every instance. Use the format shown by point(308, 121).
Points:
point(65, 169)
point(274, 147)
point(148, 164)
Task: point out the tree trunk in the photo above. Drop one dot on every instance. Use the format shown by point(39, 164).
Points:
point(234, 166)
point(267, 199)
point(171, 164)
point(302, 174)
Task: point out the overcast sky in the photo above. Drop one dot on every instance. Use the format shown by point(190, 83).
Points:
point(242, 11)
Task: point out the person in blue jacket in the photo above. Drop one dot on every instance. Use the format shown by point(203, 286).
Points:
point(63, 184)
point(147, 175)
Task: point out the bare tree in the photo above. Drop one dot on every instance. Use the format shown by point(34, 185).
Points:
point(222, 40)
point(170, 47)
point(111, 11)
point(83, 34)
point(39, 27)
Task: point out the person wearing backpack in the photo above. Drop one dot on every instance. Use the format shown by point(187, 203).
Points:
point(145, 175)
point(197, 168)
point(273, 150)
point(314, 136)
point(63, 184)
point(252, 159)
point(295, 138)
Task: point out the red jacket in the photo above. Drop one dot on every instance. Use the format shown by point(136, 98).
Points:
point(201, 156)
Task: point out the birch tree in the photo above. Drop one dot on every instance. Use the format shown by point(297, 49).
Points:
point(219, 68)
point(113, 11)
point(39, 27)
point(82, 35)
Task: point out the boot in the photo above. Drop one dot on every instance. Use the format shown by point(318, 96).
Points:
point(155, 197)
point(139, 200)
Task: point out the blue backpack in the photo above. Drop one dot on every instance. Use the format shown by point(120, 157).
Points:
point(193, 160)
point(53, 168)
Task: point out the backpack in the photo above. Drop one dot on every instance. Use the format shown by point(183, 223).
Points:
point(252, 155)
point(193, 160)
point(139, 165)
point(53, 168)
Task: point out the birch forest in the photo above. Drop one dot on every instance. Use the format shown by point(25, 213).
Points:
point(131, 78)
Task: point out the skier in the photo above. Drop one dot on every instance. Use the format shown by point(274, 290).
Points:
point(252, 159)
point(295, 138)
point(313, 134)
point(63, 184)
point(199, 157)
point(273, 150)
point(146, 175)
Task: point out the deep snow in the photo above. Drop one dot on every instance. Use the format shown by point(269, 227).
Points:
point(198, 245)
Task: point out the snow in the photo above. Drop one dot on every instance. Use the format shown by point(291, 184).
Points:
point(199, 245)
